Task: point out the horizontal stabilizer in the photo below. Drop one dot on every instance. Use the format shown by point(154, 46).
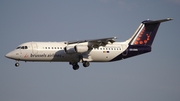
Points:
point(156, 21)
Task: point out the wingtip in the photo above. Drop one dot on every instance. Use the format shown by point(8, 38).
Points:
point(115, 37)
point(169, 19)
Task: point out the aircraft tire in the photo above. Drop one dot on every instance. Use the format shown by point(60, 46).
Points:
point(75, 67)
point(16, 64)
point(86, 63)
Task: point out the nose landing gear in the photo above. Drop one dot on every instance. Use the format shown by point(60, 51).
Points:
point(17, 64)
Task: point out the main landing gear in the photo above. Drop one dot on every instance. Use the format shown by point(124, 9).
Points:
point(75, 65)
point(86, 63)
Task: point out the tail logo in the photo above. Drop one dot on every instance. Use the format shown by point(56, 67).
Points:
point(146, 32)
point(142, 38)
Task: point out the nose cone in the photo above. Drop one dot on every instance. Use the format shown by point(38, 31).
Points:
point(13, 55)
point(8, 55)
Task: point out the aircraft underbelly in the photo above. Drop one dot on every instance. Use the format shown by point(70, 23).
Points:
point(103, 56)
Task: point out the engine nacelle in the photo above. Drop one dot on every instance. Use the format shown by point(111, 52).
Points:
point(70, 49)
point(81, 48)
point(76, 49)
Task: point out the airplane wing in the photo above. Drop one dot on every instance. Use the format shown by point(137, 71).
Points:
point(94, 43)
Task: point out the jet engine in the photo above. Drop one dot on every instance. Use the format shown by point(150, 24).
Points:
point(76, 49)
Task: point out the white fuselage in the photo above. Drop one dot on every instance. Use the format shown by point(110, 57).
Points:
point(85, 51)
point(54, 51)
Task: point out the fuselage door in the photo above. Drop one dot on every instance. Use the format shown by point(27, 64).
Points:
point(34, 48)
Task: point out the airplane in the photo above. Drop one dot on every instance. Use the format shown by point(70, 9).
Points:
point(92, 50)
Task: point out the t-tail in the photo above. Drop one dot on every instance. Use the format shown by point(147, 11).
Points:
point(146, 32)
point(141, 40)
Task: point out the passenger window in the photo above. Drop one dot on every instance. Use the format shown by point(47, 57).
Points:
point(48, 47)
point(57, 47)
point(54, 47)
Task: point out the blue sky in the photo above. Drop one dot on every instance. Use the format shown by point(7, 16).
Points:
point(150, 77)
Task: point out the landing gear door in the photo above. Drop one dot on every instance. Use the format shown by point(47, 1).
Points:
point(34, 48)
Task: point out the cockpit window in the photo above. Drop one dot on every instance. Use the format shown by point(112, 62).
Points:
point(25, 47)
point(18, 47)
point(22, 47)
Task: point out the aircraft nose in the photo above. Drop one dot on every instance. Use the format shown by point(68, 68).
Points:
point(8, 55)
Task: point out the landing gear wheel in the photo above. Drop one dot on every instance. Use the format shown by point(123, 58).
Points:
point(75, 66)
point(17, 64)
point(86, 64)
